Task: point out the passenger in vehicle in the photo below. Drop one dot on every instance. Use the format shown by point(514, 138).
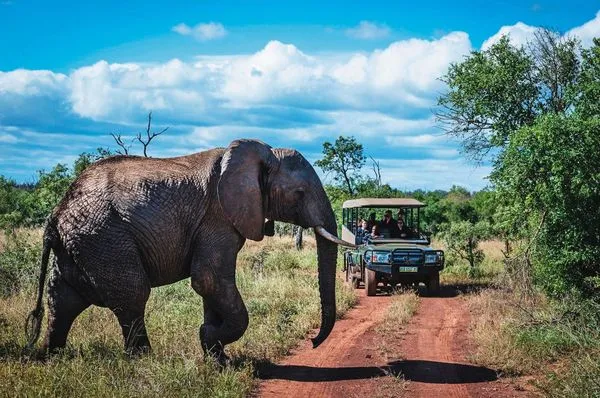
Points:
point(375, 234)
point(361, 232)
point(371, 222)
point(402, 231)
point(388, 224)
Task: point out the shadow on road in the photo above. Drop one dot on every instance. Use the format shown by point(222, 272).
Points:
point(413, 370)
point(446, 291)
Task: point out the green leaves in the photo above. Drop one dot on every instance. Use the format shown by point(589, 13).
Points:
point(344, 159)
point(462, 239)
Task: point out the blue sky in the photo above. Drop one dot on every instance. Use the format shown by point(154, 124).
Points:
point(293, 74)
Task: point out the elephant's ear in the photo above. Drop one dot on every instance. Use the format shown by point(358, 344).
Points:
point(245, 168)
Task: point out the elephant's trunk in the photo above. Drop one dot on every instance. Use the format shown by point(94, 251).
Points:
point(327, 259)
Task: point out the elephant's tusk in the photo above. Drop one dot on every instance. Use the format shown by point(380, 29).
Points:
point(323, 232)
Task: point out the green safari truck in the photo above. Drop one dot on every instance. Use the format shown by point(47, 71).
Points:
point(388, 254)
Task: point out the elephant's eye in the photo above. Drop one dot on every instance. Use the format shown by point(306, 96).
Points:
point(299, 193)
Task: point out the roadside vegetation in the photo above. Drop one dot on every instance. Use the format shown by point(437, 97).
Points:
point(532, 111)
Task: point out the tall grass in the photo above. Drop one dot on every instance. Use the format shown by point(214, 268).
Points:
point(280, 289)
point(557, 341)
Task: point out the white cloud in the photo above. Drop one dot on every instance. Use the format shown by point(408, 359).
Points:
point(416, 140)
point(369, 30)
point(279, 94)
point(519, 34)
point(201, 31)
point(8, 138)
point(587, 31)
point(31, 82)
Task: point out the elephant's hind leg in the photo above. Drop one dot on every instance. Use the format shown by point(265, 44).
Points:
point(64, 305)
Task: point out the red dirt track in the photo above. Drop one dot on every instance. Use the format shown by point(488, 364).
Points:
point(430, 354)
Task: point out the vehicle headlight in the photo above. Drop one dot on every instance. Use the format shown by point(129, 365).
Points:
point(381, 257)
point(431, 258)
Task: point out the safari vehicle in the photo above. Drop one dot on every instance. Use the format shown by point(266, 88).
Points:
point(390, 260)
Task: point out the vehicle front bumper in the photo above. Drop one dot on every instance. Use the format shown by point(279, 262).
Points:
point(400, 271)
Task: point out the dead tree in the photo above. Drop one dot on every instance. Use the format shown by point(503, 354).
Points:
point(149, 135)
point(376, 171)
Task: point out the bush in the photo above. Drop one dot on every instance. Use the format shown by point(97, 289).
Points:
point(19, 261)
point(462, 239)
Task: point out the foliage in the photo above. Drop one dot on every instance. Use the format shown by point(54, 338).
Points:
point(587, 90)
point(536, 108)
point(497, 91)
point(19, 261)
point(518, 335)
point(553, 169)
point(491, 94)
point(462, 239)
point(85, 159)
point(344, 158)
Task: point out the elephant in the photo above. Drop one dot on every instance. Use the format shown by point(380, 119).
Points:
point(128, 224)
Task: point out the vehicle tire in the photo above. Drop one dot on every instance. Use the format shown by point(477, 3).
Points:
point(433, 284)
point(370, 282)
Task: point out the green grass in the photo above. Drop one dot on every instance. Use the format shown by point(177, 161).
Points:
point(278, 284)
point(558, 342)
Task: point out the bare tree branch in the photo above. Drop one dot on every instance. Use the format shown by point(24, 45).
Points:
point(119, 140)
point(149, 135)
point(376, 171)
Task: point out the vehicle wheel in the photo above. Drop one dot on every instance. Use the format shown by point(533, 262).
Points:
point(370, 282)
point(433, 284)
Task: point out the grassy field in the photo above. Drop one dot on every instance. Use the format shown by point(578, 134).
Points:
point(280, 289)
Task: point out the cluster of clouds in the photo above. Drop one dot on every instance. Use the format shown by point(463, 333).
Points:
point(279, 94)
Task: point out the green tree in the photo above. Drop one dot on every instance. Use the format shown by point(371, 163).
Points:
point(85, 159)
point(551, 171)
point(344, 159)
point(587, 90)
point(462, 239)
point(49, 190)
point(495, 92)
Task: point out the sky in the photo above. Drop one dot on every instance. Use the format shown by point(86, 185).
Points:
point(293, 74)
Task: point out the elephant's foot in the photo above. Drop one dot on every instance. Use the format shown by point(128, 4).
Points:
point(213, 349)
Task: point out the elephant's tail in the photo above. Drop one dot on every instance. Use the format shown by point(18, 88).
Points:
point(33, 324)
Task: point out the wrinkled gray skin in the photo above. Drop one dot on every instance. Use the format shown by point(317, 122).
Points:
point(128, 224)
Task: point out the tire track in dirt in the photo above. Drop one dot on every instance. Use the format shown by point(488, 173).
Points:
point(430, 352)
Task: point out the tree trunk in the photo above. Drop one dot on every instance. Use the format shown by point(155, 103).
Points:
point(298, 231)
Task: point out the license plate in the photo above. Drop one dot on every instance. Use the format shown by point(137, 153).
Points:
point(407, 269)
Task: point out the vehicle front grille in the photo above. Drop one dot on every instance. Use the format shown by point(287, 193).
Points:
point(407, 257)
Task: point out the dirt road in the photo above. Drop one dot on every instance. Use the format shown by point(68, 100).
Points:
point(426, 358)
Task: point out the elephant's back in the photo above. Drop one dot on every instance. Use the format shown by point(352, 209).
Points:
point(142, 202)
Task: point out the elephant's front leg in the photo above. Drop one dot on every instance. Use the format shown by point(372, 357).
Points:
point(225, 316)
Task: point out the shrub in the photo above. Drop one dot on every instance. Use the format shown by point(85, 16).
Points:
point(19, 262)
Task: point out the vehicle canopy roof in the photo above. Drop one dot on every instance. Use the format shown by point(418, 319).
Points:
point(383, 202)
